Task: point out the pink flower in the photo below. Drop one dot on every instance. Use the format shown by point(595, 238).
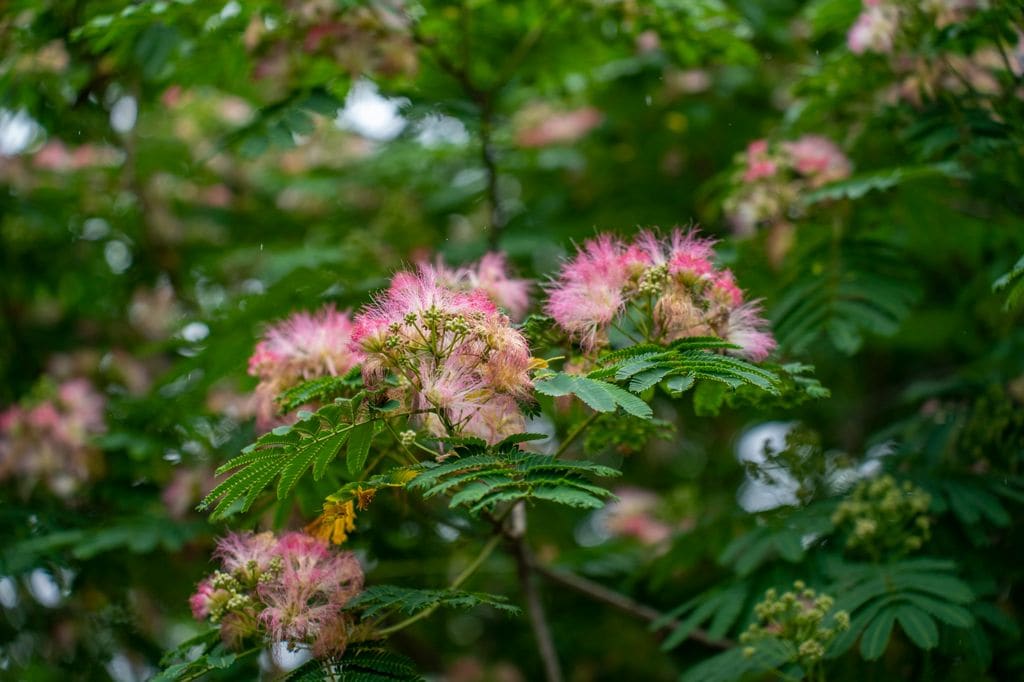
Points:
point(490, 275)
point(200, 601)
point(759, 163)
point(664, 288)
point(302, 347)
point(875, 29)
point(588, 294)
point(818, 158)
point(305, 346)
point(304, 601)
point(50, 441)
point(452, 351)
point(553, 127)
point(747, 329)
point(725, 290)
point(632, 516)
point(186, 488)
point(684, 253)
point(246, 555)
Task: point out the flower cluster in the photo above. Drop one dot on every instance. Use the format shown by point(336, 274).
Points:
point(894, 28)
point(49, 441)
point(633, 515)
point(491, 276)
point(458, 361)
point(540, 125)
point(772, 177)
point(291, 590)
point(302, 347)
point(883, 516)
point(882, 23)
point(655, 289)
point(797, 619)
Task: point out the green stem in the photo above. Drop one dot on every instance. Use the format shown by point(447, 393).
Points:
point(398, 439)
point(574, 434)
point(455, 584)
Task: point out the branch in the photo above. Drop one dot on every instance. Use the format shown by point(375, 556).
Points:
point(624, 603)
point(490, 161)
point(534, 607)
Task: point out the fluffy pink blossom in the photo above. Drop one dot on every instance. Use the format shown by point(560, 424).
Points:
point(632, 515)
point(50, 441)
point(875, 29)
point(588, 294)
point(657, 288)
point(304, 601)
point(748, 330)
point(55, 156)
point(289, 590)
point(187, 486)
point(817, 158)
point(491, 276)
point(200, 601)
point(454, 354)
point(305, 346)
point(771, 178)
point(548, 127)
point(759, 163)
point(247, 554)
point(302, 347)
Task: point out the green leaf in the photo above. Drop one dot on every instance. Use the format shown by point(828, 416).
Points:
point(360, 663)
point(376, 600)
point(859, 185)
point(286, 452)
point(1013, 281)
point(876, 635)
point(319, 454)
point(482, 481)
point(919, 626)
point(359, 446)
point(600, 396)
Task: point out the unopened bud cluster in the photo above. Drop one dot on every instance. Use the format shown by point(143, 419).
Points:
point(801, 618)
point(883, 516)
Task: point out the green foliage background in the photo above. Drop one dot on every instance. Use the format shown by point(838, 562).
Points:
point(233, 188)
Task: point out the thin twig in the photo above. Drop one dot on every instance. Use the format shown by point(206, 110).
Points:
point(455, 584)
point(623, 602)
point(535, 610)
point(574, 434)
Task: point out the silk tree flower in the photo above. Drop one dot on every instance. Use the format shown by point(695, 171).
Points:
point(457, 359)
point(289, 590)
point(658, 288)
point(304, 601)
point(771, 177)
point(302, 347)
point(875, 29)
point(490, 275)
point(759, 163)
point(540, 125)
point(817, 158)
point(50, 441)
point(632, 515)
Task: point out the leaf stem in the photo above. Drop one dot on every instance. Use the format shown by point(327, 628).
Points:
point(462, 577)
point(574, 434)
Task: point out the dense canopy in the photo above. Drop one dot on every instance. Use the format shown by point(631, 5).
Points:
point(595, 340)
